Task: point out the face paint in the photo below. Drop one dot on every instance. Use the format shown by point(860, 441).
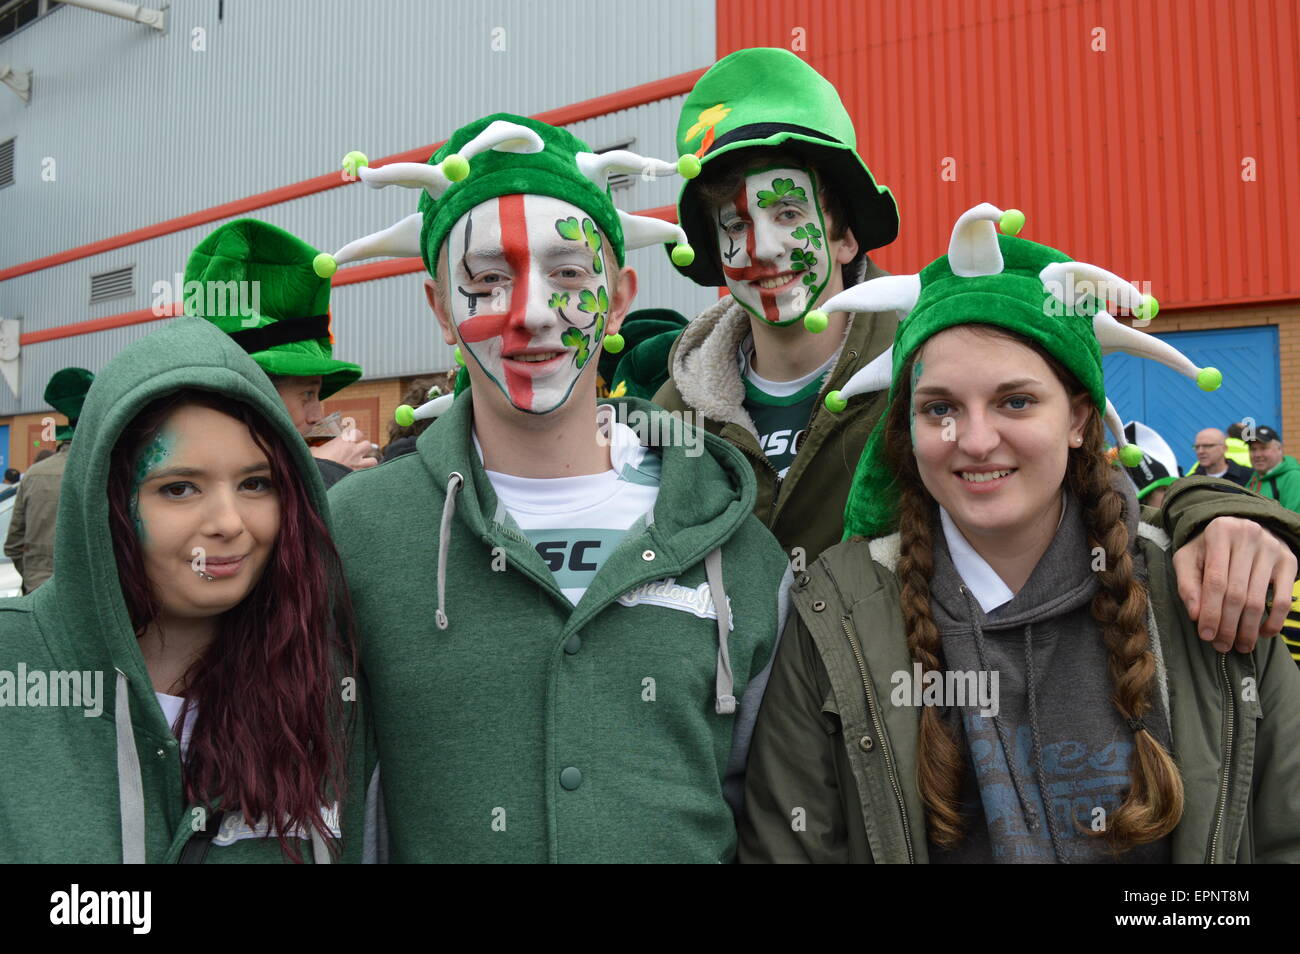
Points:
point(530, 300)
point(918, 368)
point(151, 458)
point(772, 239)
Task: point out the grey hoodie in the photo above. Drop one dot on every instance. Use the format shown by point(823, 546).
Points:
point(1056, 729)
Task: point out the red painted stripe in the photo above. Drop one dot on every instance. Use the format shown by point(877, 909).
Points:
point(514, 243)
point(765, 298)
point(562, 116)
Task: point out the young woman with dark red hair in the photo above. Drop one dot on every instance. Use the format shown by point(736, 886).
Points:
point(190, 689)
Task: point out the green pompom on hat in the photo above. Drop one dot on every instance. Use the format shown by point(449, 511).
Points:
point(66, 393)
point(769, 98)
point(1029, 289)
point(256, 282)
point(498, 155)
point(638, 328)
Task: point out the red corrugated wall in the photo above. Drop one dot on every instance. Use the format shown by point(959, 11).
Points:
point(1131, 158)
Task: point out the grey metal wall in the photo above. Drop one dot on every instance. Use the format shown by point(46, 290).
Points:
point(143, 127)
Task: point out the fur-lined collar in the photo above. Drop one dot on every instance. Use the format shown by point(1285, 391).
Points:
point(706, 367)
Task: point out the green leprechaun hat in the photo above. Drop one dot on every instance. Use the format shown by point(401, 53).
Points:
point(1027, 288)
point(66, 393)
point(770, 98)
point(256, 283)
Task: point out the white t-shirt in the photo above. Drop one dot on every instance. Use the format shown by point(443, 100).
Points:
point(171, 707)
point(576, 522)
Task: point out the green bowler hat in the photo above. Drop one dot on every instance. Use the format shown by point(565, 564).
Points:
point(769, 98)
point(256, 283)
point(66, 393)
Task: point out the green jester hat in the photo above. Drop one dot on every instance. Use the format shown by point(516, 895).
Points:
point(1027, 288)
point(497, 155)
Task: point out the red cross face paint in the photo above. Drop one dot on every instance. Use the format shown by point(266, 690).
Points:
point(529, 295)
point(772, 239)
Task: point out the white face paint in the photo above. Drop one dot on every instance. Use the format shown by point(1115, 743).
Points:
point(772, 240)
point(528, 282)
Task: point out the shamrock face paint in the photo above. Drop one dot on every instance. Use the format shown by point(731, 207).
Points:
point(529, 296)
point(772, 241)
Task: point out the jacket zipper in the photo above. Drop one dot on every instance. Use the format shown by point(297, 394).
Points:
point(880, 735)
point(1227, 758)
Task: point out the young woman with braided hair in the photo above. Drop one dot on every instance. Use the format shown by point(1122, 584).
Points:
point(996, 665)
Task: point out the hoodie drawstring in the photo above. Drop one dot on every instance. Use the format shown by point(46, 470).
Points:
point(130, 783)
point(454, 483)
point(724, 683)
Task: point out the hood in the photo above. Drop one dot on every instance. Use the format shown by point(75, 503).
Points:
point(84, 594)
point(1287, 465)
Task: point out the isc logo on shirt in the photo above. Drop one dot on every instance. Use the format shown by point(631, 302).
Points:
point(696, 600)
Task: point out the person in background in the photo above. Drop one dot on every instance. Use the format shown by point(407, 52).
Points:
point(1238, 452)
point(1158, 467)
point(1277, 475)
point(1211, 447)
point(255, 282)
point(30, 543)
point(12, 476)
point(401, 439)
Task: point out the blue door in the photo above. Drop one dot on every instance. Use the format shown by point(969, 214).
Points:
point(4, 448)
point(1174, 406)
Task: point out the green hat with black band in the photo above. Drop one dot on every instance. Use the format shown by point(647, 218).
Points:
point(66, 393)
point(256, 283)
point(769, 98)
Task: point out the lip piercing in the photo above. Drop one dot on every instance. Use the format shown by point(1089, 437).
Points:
point(205, 576)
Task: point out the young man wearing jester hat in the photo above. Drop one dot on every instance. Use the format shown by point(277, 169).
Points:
point(993, 540)
point(783, 211)
point(567, 624)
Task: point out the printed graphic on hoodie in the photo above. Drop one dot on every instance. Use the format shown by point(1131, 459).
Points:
point(575, 523)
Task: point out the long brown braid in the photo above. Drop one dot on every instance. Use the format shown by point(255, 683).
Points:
point(1153, 804)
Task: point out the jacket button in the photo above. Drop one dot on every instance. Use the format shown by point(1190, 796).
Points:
point(573, 644)
point(162, 753)
point(570, 778)
point(866, 743)
point(818, 605)
point(648, 555)
point(803, 579)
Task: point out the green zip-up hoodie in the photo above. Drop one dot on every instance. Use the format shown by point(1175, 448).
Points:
point(830, 742)
point(1282, 483)
point(532, 730)
point(108, 788)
